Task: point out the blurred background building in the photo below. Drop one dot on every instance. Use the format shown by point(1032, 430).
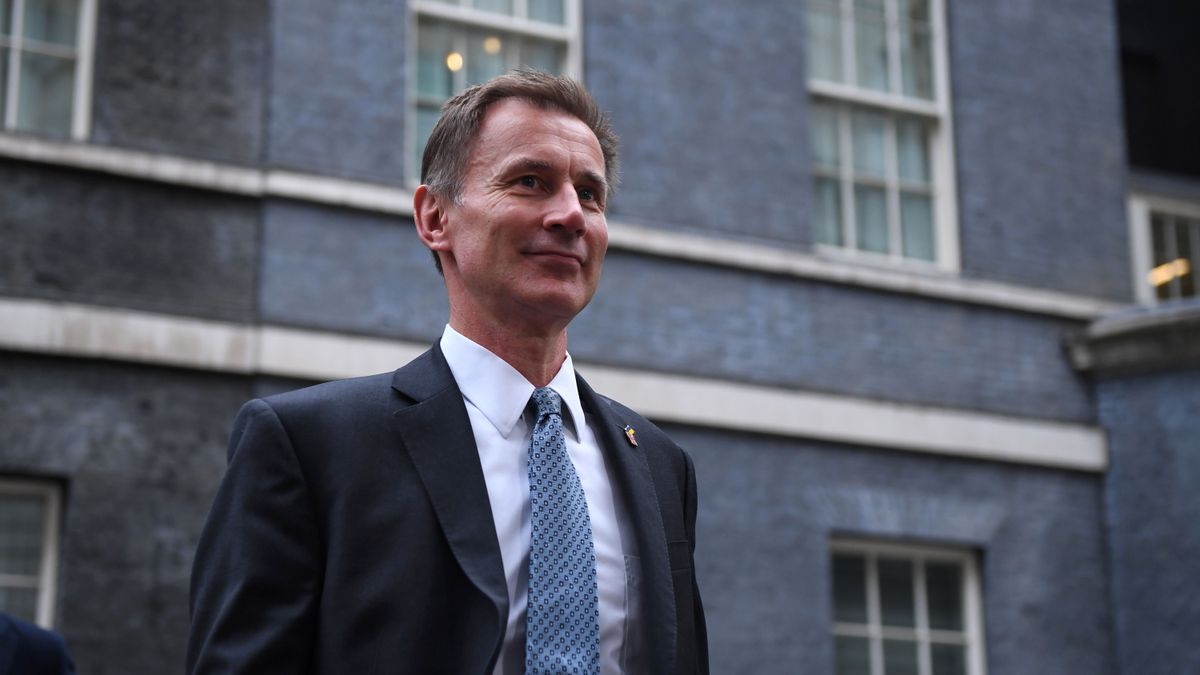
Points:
point(914, 281)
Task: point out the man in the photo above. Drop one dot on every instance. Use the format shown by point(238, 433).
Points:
point(480, 510)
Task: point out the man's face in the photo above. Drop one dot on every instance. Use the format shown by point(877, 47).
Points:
point(527, 236)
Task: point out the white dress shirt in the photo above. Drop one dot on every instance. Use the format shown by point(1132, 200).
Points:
point(496, 396)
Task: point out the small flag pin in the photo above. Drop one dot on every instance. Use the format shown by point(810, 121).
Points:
point(631, 435)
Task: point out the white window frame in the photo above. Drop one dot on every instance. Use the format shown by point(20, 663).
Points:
point(83, 53)
point(1140, 208)
point(569, 34)
point(972, 594)
point(46, 579)
point(947, 256)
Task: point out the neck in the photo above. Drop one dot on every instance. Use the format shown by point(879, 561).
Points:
point(537, 354)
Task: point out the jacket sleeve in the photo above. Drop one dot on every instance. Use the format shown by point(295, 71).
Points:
point(256, 577)
point(690, 505)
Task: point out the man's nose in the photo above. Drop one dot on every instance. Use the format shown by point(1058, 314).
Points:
point(565, 212)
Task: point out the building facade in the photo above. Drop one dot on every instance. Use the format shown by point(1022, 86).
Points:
point(881, 266)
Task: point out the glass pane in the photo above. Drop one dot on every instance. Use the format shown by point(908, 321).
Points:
point(849, 588)
point(869, 136)
point(6, 7)
point(853, 655)
point(1161, 236)
point(827, 228)
point(870, 48)
point(916, 222)
point(550, 11)
point(913, 10)
point(541, 55)
point(943, 586)
point(1184, 255)
point(486, 55)
point(427, 116)
point(870, 215)
point(916, 61)
point(899, 657)
point(912, 149)
point(19, 602)
point(497, 6)
point(47, 84)
point(949, 659)
point(825, 43)
point(22, 519)
point(896, 592)
point(51, 20)
point(3, 84)
point(434, 77)
point(823, 131)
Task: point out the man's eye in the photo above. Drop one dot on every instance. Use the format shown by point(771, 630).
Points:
point(587, 194)
point(527, 181)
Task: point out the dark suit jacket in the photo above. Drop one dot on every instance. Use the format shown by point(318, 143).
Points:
point(26, 649)
point(352, 533)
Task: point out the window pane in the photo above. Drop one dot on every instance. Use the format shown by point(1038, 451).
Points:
point(434, 78)
point(849, 588)
point(1161, 234)
point(1184, 255)
point(3, 83)
point(899, 657)
point(916, 61)
point(943, 586)
point(827, 226)
point(427, 116)
point(870, 215)
point(949, 659)
point(869, 132)
point(47, 84)
point(22, 519)
point(896, 592)
point(20, 602)
point(542, 55)
point(497, 6)
point(5, 12)
point(51, 20)
point(870, 48)
point(550, 11)
point(825, 42)
point(913, 10)
point(485, 55)
point(912, 148)
point(916, 222)
point(823, 131)
point(853, 655)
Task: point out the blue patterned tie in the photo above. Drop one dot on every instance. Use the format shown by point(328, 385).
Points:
point(562, 627)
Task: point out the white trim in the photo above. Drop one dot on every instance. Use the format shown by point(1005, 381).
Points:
point(46, 581)
point(913, 277)
point(81, 111)
point(91, 331)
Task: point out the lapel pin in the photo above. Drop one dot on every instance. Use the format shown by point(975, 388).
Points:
point(631, 435)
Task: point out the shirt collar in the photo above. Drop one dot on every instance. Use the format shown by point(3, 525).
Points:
point(497, 389)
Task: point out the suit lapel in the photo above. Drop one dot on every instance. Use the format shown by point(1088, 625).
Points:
point(631, 471)
point(437, 434)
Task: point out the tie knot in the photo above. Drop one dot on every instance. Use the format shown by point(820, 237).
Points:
point(547, 401)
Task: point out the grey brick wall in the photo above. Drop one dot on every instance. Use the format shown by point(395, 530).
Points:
point(141, 451)
point(1154, 509)
point(768, 508)
point(1037, 115)
point(337, 88)
point(89, 238)
point(183, 78)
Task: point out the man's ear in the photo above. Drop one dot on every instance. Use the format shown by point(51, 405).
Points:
point(430, 215)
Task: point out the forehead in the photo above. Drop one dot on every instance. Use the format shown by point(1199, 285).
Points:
point(513, 127)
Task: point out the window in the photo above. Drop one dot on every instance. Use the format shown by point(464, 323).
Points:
point(879, 125)
point(464, 42)
point(29, 518)
point(45, 65)
point(905, 610)
point(1166, 242)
